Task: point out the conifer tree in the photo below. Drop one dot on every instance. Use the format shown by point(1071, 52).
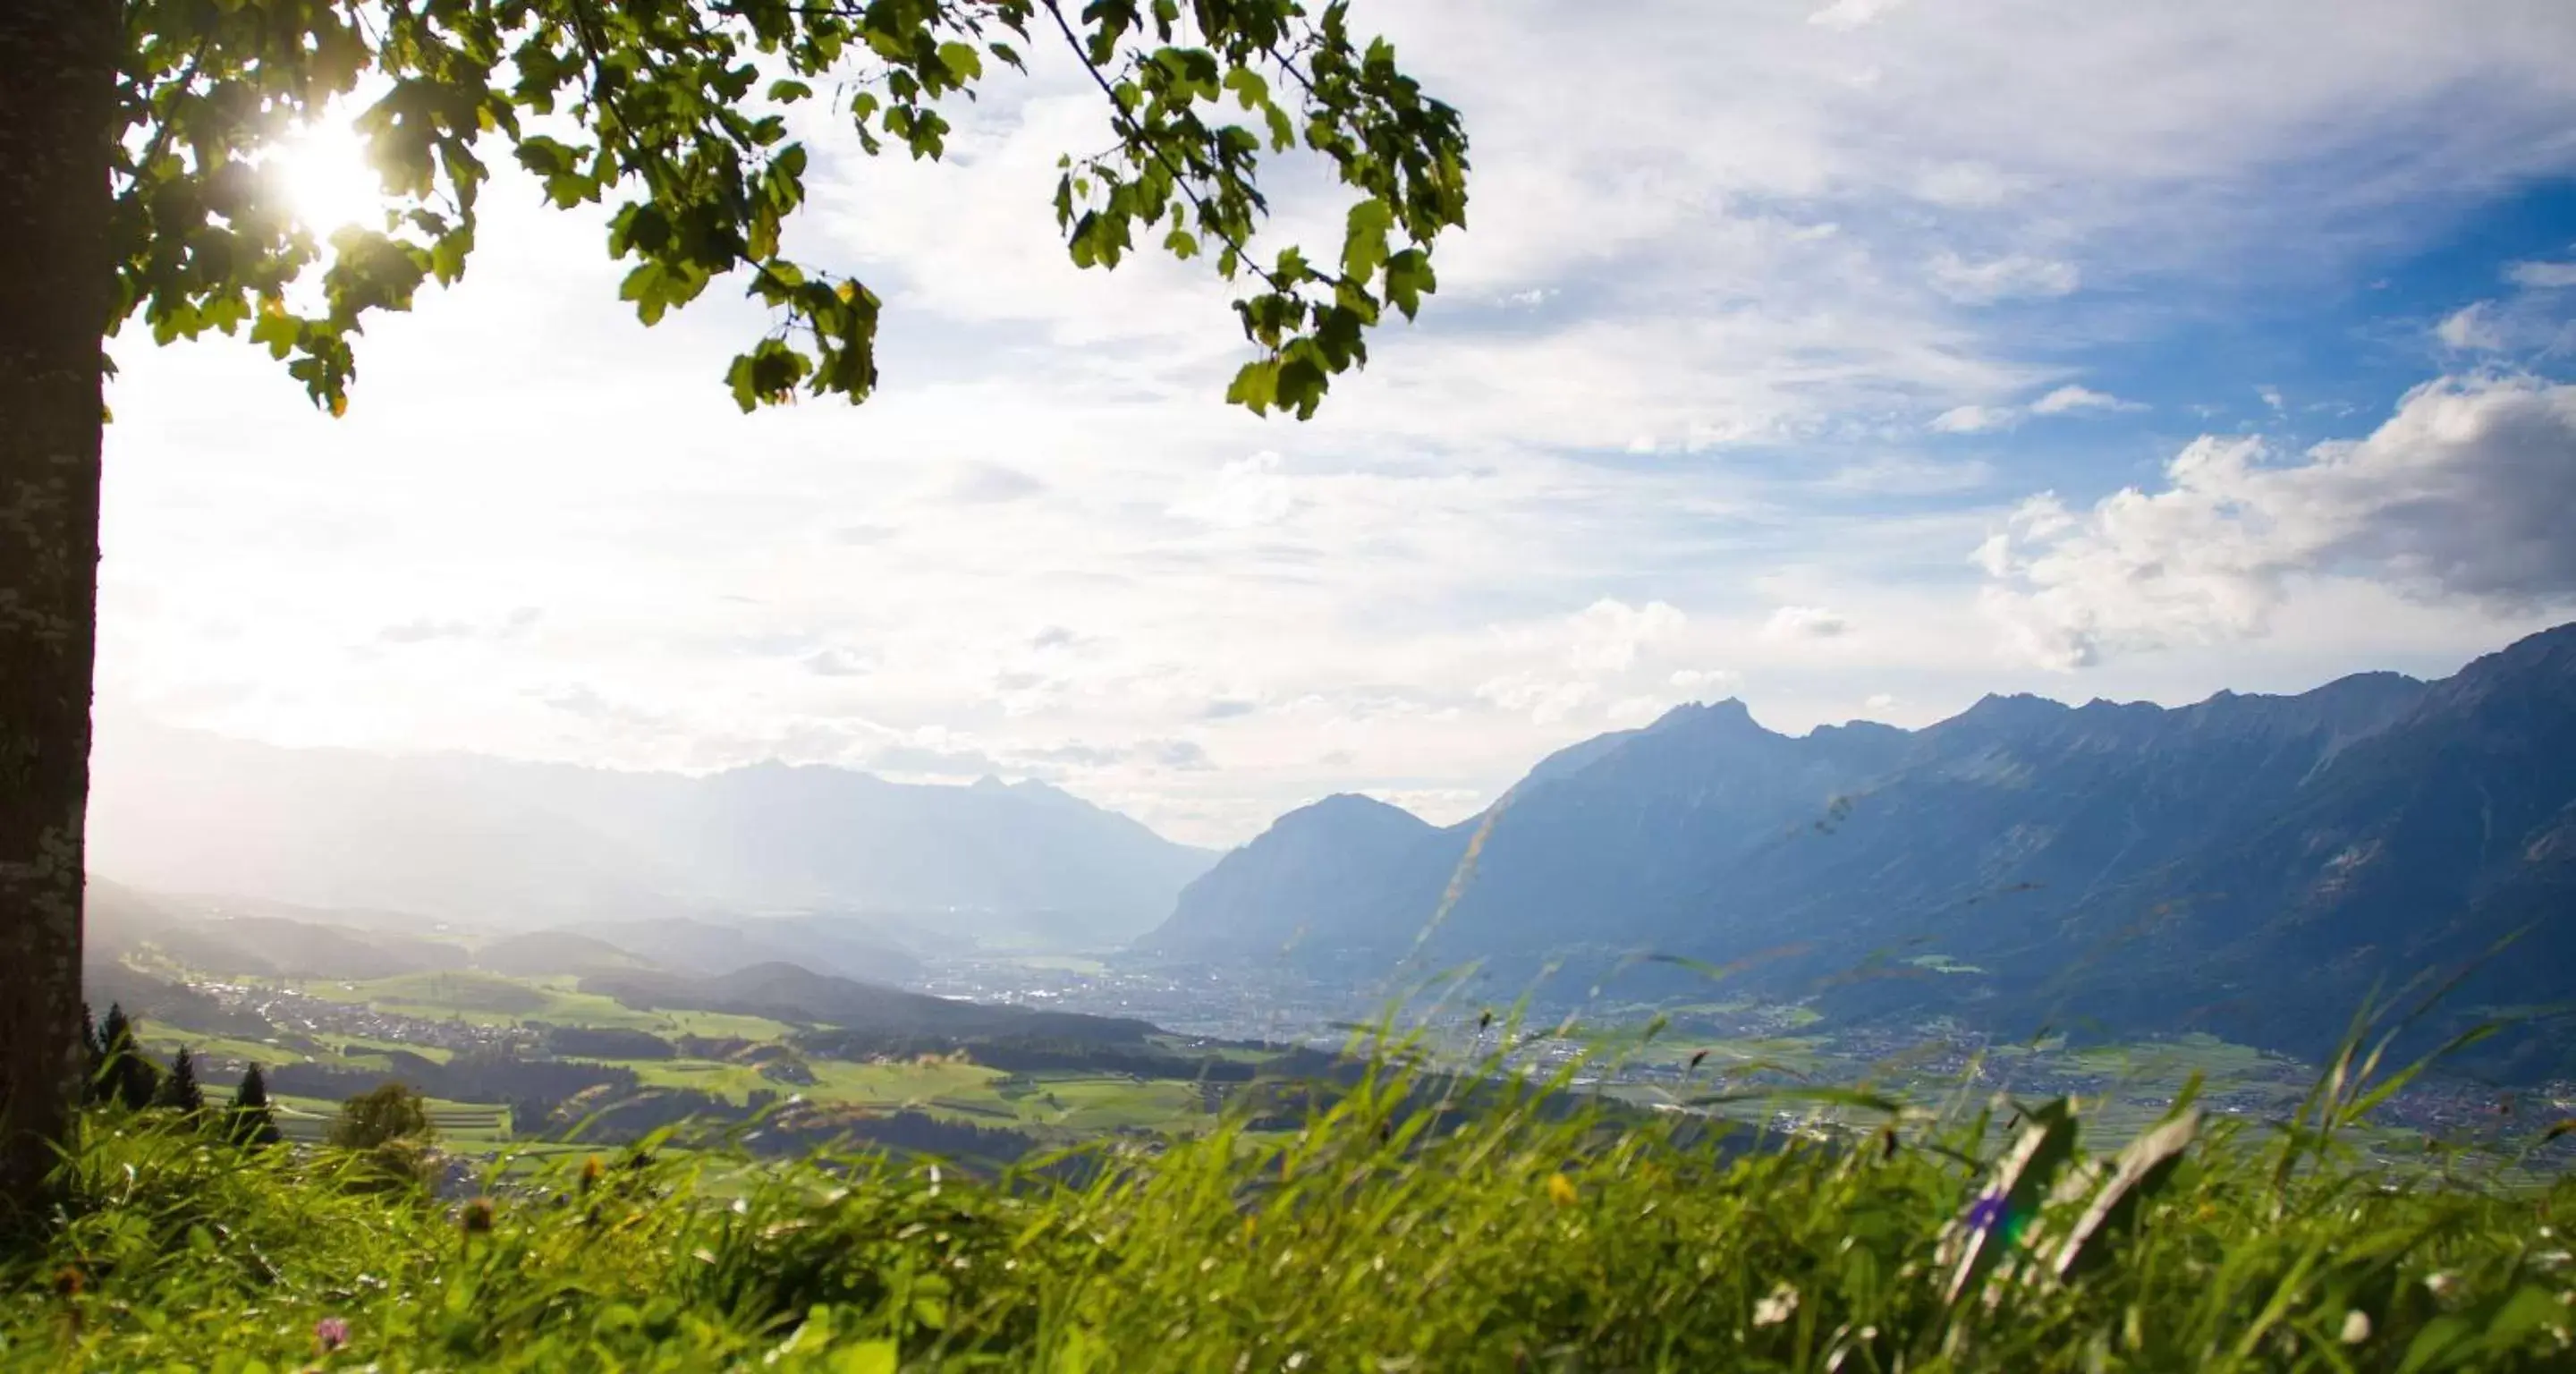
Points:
point(93, 1056)
point(126, 1075)
point(252, 1121)
point(178, 1091)
point(101, 1086)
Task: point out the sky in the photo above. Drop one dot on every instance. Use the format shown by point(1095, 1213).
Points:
point(1856, 358)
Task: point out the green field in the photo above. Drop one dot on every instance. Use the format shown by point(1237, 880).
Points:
point(1524, 1240)
point(465, 1127)
point(214, 1050)
point(491, 999)
point(1075, 1105)
point(972, 1093)
point(1054, 1106)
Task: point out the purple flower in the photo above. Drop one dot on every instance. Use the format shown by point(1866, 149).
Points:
point(331, 1333)
point(1987, 1213)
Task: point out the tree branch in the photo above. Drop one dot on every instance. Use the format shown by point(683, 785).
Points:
point(1129, 129)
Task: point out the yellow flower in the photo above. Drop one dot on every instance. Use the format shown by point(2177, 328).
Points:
point(1561, 1189)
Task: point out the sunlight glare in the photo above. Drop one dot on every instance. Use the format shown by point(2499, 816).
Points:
point(328, 181)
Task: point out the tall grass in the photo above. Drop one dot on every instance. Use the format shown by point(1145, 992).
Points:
point(1418, 1222)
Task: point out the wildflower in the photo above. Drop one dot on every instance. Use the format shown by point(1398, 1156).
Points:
point(2356, 1327)
point(1988, 1213)
point(589, 1173)
point(1777, 1308)
point(1561, 1189)
point(330, 1334)
point(476, 1218)
point(68, 1281)
point(2440, 1284)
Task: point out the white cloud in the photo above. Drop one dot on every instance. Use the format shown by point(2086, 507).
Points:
point(2000, 279)
point(991, 483)
point(2071, 398)
point(2271, 396)
point(1805, 622)
point(2542, 276)
point(1594, 648)
point(1608, 634)
point(1247, 492)
point(2472, 327)
point(1974, 419)
point(1969, 185)
point(839, 663)
point(2537, 320)
point(1764, 261)
point(1847, 15)
point(1545, 700)
point(1706, 679)
point(2463, 495)
point(1906, 476)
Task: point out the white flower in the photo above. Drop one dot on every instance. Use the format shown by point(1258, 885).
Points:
point(2356, 1327)
point(1777, 1308)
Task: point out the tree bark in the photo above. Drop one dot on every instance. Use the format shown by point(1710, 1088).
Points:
point(58, 63)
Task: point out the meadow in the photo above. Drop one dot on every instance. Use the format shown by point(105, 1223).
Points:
point(1377, 1236)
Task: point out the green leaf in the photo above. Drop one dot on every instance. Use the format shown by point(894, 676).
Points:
point(1364, 241)
point(1408, 279)
point(1255, 386)
point(964, 64)
point(1301, 386)
point(867, 1357)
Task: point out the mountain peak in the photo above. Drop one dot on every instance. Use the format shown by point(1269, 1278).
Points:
point(1995, 710)
point(1353, 804)
point(1729, 714)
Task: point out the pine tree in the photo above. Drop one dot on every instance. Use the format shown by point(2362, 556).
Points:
point(93, 1056)
point(179, 1091)
point(126, 1075)
point(252, 1120)
point(112, 1035)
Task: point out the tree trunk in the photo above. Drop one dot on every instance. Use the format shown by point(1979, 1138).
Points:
point(57, 119)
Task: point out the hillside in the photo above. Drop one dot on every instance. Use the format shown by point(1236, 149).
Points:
point(785, 992)
point(2250, 864)
point(1320, 868)
point(512, 845)
point(1518, 1240)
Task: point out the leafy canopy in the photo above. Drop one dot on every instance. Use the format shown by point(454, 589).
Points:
point(388, 1112)
point(677, 111)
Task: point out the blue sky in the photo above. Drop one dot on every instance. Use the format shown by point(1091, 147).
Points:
point(1855, 358)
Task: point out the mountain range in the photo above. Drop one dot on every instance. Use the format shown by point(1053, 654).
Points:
point(508, 845)
point(2249, 865)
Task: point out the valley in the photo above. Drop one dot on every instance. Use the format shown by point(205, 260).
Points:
point(1193, 1039)
point(1700, 916)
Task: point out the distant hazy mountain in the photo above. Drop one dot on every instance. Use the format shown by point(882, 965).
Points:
point(1315, 873)
point(511, 845)
point(832, 946)
point(2250, 865)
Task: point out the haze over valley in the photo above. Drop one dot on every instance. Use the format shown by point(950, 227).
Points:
point(2247, 868)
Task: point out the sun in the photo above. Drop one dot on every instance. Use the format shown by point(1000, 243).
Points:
point(327, 179)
